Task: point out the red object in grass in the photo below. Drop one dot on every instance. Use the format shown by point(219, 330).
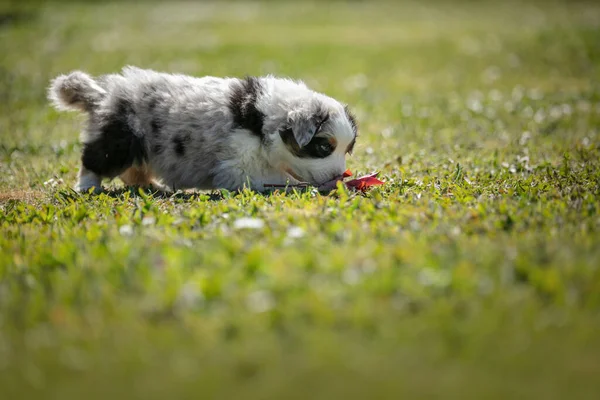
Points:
point(362, 183)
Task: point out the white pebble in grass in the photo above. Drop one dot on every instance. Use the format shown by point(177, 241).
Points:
point(474, 105)
point(126, 230)
point(387, 132)
point(525, 138)
point(295, 232)
point(148, 221)
point(53, 182)
point(249, 223)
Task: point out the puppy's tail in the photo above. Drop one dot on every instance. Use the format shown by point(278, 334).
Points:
point(75, 91)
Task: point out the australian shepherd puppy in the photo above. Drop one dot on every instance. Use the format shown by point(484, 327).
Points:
point(178, 132)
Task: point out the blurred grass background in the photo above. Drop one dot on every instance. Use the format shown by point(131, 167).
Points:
point(474, 273)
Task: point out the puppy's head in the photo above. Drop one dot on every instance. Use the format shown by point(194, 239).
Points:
point(312, 144)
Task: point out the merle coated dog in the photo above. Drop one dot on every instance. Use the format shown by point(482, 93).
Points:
point(177, 131)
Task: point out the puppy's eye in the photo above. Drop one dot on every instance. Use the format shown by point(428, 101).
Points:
point(319, 148)
point(324, 149)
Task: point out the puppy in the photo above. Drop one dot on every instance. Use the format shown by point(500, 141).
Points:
point(181, 132)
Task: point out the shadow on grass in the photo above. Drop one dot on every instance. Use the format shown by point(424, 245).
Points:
point(131, 192)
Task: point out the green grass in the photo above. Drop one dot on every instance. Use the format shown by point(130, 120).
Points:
point(473, 273)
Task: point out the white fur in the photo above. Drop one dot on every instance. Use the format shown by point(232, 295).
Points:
point(88, 180)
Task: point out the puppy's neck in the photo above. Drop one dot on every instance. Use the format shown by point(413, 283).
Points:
point(249, 164)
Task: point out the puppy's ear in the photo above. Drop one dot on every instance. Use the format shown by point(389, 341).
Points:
point(304, 126)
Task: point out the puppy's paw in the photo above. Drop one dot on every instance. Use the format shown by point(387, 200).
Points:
point(88, 189)
point(158, 186)
point(88, 181)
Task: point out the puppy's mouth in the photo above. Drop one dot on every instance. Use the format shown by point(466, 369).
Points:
point(297, 180)
point(330, 184)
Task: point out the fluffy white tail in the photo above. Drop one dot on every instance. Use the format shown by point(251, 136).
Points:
point(75, 91)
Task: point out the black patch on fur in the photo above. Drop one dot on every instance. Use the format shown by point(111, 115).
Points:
point(352, 120)
point(118, 147)
point(157, 148)
point(350, 147)
point(354, 125)
point(287, 136)
point(152, 96)
point(155, 126)
point(180, 143)
point(242, 105)
point(318, 147)
point(178, 146)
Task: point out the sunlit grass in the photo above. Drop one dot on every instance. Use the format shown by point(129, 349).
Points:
point(474, 272)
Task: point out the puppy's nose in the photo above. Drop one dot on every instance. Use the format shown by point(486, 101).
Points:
point(343, 174)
